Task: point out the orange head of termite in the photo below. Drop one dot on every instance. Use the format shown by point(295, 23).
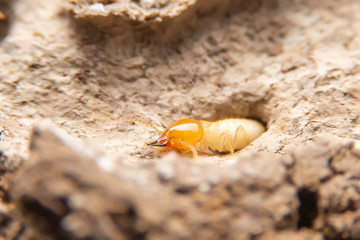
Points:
point(182, 135)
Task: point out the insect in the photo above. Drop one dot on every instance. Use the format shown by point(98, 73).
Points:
point(228, 135)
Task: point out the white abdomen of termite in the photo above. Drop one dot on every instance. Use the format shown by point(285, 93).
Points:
point(238, 131)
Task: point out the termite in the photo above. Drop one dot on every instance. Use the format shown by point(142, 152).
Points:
point(226, 136)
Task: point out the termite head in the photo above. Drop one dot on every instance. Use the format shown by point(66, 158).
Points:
point(181, 135)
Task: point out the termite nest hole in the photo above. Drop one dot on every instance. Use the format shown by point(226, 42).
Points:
point(308, 209)
point(34, 209)
point(257, 110)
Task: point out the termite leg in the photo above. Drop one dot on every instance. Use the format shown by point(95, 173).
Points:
point(192, 149)
point(240, 131)
point(226, 143)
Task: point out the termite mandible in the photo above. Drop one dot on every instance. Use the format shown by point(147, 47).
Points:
point(227, 135)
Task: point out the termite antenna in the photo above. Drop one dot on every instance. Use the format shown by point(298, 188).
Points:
point(143, 122)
